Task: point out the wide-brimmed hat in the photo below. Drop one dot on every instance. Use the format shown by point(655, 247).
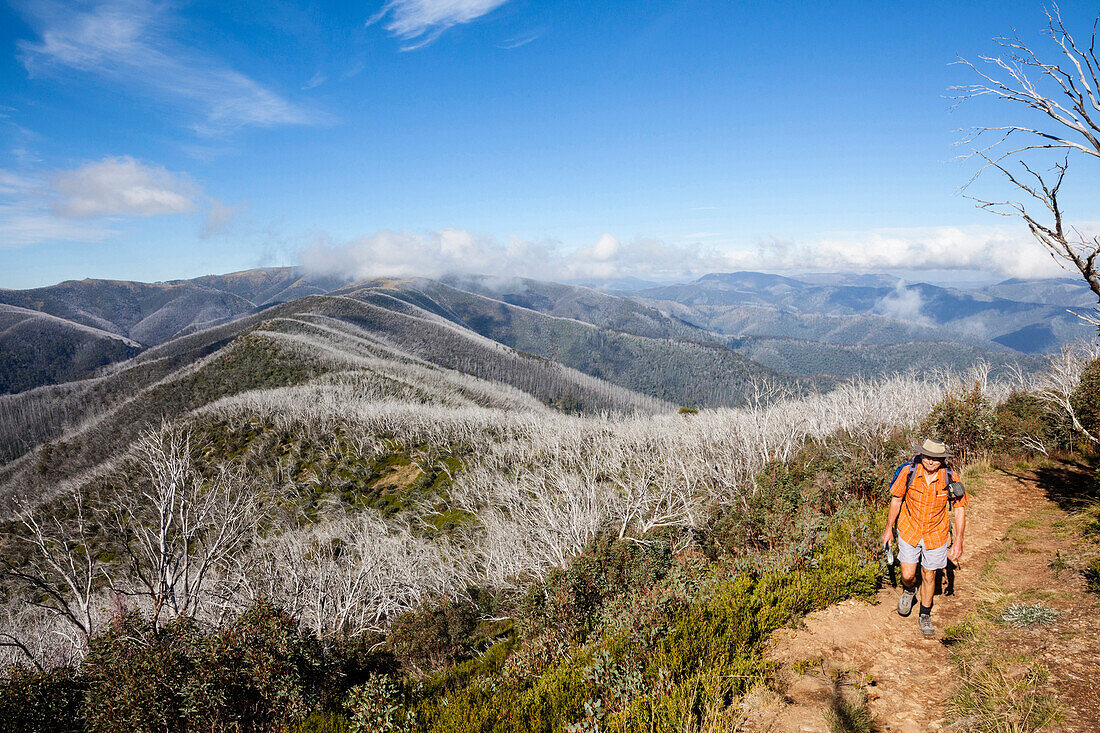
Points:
point(933, 449)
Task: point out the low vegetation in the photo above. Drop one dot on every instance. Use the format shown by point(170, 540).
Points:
point(358, 540)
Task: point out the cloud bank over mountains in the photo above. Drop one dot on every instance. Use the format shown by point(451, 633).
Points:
point(453, 251)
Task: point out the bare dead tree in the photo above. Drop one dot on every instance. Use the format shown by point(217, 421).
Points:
point(181, 528)
point(59, 572)
point(1059, 382)
point(1066, 91)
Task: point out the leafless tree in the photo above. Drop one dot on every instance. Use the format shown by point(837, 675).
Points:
point(60, 571)
point(1057, 385)
point(1065, 92)
point(180, 528)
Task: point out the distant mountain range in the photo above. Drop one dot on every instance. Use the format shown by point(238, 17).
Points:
point(1020, 316)
point(696, 343)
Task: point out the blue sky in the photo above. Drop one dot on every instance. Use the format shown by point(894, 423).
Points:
point(145, 140)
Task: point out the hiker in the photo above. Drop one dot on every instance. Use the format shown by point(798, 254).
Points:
point(920, 507)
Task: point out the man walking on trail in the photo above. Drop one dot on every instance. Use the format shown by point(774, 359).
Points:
point(920, 507)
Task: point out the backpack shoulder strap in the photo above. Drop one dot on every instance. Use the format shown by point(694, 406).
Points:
point(909, 478)
point(912, 466)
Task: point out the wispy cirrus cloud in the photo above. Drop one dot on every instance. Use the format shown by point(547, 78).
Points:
point(420, 22)
point(133, 44)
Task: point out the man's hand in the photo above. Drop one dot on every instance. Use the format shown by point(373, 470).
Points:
point(956, 551)
point(887, 535)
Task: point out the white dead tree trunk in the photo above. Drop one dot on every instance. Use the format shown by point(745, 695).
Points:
point(181, 529)
point(59, 573)
point(1066, 91)
point(1061, 379)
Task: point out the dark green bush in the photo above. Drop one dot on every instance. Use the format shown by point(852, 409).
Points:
point(1024, 420)
point(259, 673)
point(1086, 398)
point(36, 701)
point(964, 420)
point(255, 674)
point(437, 634)
point(137, 676)
point(378, 706)
point(569, 602)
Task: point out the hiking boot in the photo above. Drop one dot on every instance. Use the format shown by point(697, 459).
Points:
point(905, 602)
point(926, 626)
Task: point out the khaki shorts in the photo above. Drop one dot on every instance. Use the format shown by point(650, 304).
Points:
point(935, 559)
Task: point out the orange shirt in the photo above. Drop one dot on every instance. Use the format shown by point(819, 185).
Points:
point(924, 511)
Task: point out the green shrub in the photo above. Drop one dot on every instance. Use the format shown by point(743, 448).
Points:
point(1023, 419)
point(437, 634)
point(964, 420)
point(137, 675)
point(377, 706)
point(569, 602)
point(780, 521)
point(41, 701)
point(1086, 398)
point(254, 674)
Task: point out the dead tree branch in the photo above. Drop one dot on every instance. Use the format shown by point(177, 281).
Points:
point(1067, 94)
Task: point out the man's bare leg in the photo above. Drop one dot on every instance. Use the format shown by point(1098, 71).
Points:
point(908, 574)
point(927, 586)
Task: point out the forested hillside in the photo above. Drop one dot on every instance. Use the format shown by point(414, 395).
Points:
point(86, 421)
point(829, 326)
point(1025, 316)
point(340, 533)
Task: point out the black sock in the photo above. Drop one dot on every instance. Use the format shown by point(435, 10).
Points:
point(925, 610)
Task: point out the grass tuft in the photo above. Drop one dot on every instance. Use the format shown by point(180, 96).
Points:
point(1023, 615)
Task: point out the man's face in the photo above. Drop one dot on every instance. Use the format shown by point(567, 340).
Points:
point(931, 464)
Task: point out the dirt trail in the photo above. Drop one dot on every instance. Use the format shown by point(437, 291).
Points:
point(908, 678)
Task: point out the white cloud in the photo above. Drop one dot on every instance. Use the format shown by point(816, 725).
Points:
point(422, 21)
point(996, 251)
point(1001, 250)
point(314, 81)
point(71, 205)
point(25, 218)
point(456, 251)
point(606, 249)
point(131, 43)
point(121, 186)
point(518, 42)
point(905, 304)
